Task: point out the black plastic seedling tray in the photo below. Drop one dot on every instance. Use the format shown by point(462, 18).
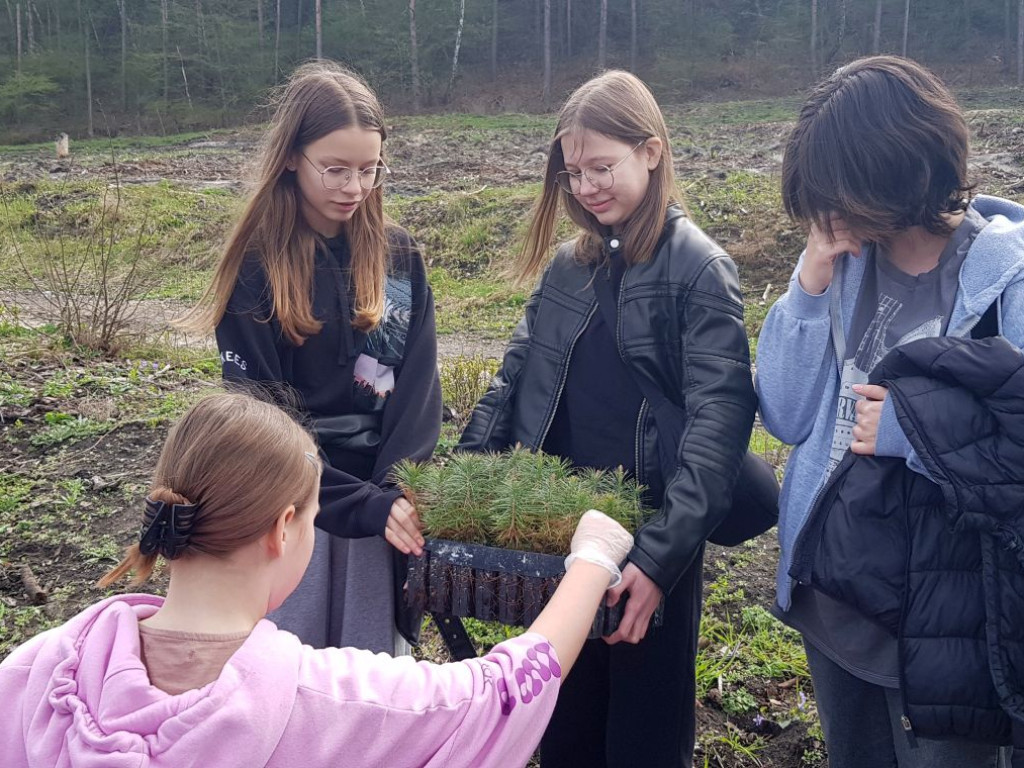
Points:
point(492, 584)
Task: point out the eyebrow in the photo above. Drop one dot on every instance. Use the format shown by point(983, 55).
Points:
point(332, 160)
point(600, 160)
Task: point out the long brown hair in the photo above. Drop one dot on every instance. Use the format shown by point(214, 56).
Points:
point(882, 143)
point(319, 98)
point(618, 105)
point(242, 462)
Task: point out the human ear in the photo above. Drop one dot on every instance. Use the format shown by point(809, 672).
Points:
point(292, 163)
point(278, 535)
point(652, 152)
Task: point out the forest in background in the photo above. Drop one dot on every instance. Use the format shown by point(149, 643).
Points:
point(108, 67)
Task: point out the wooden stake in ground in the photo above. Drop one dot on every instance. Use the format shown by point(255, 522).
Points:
point(35, 593)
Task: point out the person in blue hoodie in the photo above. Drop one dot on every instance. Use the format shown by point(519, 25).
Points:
point(898, 250)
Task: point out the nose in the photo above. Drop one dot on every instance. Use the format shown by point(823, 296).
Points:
point(587, 187)
point(354, 181)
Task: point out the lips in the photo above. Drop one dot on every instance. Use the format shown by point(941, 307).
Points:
point(600, 207)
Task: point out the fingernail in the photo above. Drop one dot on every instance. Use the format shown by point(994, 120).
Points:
point(857, 387)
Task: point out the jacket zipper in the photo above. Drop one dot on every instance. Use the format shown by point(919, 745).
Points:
point(908, 728)
point(565, 375)
point(638, 450)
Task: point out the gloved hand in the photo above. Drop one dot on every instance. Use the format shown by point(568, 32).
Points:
point(599, 539)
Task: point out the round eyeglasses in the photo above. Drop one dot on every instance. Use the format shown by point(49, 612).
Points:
point(600, 176)
point(338, 176)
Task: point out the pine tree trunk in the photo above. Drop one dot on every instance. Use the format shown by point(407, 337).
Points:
point(967, 28)
point(319, 30)
point(124, 54)
point(632, 35)
point(60, 41)
point(1007, 36)
point(906, 27)
point(184, 77)
point(17, 32)
point(277, 40)
point(814, 37)
point(494, 40)
point(877, 32)
point(1020, 43)
point(200, 25)
point(259, 26)
point(458, 46)
point(842, 26)
point(546, 91)
point(568, 29)
point(602, 37)
point(31, 28)
point(163, 44)
point(298, 30)
point(88, 69)
point(413, 56)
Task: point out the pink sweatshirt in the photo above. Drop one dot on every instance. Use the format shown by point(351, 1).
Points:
point(79, 696)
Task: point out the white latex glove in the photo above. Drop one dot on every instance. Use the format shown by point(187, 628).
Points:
point(600, 540)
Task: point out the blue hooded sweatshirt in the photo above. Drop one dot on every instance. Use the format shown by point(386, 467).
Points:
point(800, 352)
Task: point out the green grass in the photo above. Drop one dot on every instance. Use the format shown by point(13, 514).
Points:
point(104, 146)
point(709, 114)
point(50, 225)
point(511, 121)
point(65, 427)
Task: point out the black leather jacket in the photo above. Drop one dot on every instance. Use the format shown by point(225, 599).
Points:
point(680, 326)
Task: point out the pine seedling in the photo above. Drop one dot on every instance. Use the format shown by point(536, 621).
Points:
point(518, 500)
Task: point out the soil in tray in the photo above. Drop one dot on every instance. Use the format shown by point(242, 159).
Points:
point(493, 584)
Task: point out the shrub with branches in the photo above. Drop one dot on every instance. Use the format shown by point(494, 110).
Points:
point(84, 261)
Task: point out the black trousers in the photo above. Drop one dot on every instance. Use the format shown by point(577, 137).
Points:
point(624, 706)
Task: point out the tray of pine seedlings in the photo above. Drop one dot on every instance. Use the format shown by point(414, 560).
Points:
point(498, 527)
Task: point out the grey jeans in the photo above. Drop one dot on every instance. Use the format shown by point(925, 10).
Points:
point(862, 726)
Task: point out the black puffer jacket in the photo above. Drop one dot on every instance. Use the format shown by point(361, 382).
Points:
point(939, 564)
point(680, 326)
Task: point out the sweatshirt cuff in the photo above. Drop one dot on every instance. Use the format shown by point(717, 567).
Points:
point(807, 306)
point(378, 509)
point(890, 440)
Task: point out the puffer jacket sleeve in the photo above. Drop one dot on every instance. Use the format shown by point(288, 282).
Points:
point(720, 404)
point(490, 426)
point(979, 453)
point(891, 440)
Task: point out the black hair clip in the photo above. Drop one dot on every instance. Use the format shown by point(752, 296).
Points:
point(166, 528)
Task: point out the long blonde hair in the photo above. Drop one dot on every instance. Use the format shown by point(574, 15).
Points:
point(242, 461)
point(319, 98)
point(618, 105)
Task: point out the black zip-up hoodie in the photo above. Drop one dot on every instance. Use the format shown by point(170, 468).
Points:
point(391, 372)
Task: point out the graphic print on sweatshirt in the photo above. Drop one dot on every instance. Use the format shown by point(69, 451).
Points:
point(870, 351)
point(895, 308)
point(384, 348)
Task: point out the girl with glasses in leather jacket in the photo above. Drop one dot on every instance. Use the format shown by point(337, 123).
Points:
point(640, 301)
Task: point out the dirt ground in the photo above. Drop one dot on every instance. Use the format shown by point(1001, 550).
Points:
point(83, 492)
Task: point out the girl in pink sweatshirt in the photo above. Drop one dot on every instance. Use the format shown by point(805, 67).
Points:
point(201, 678)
